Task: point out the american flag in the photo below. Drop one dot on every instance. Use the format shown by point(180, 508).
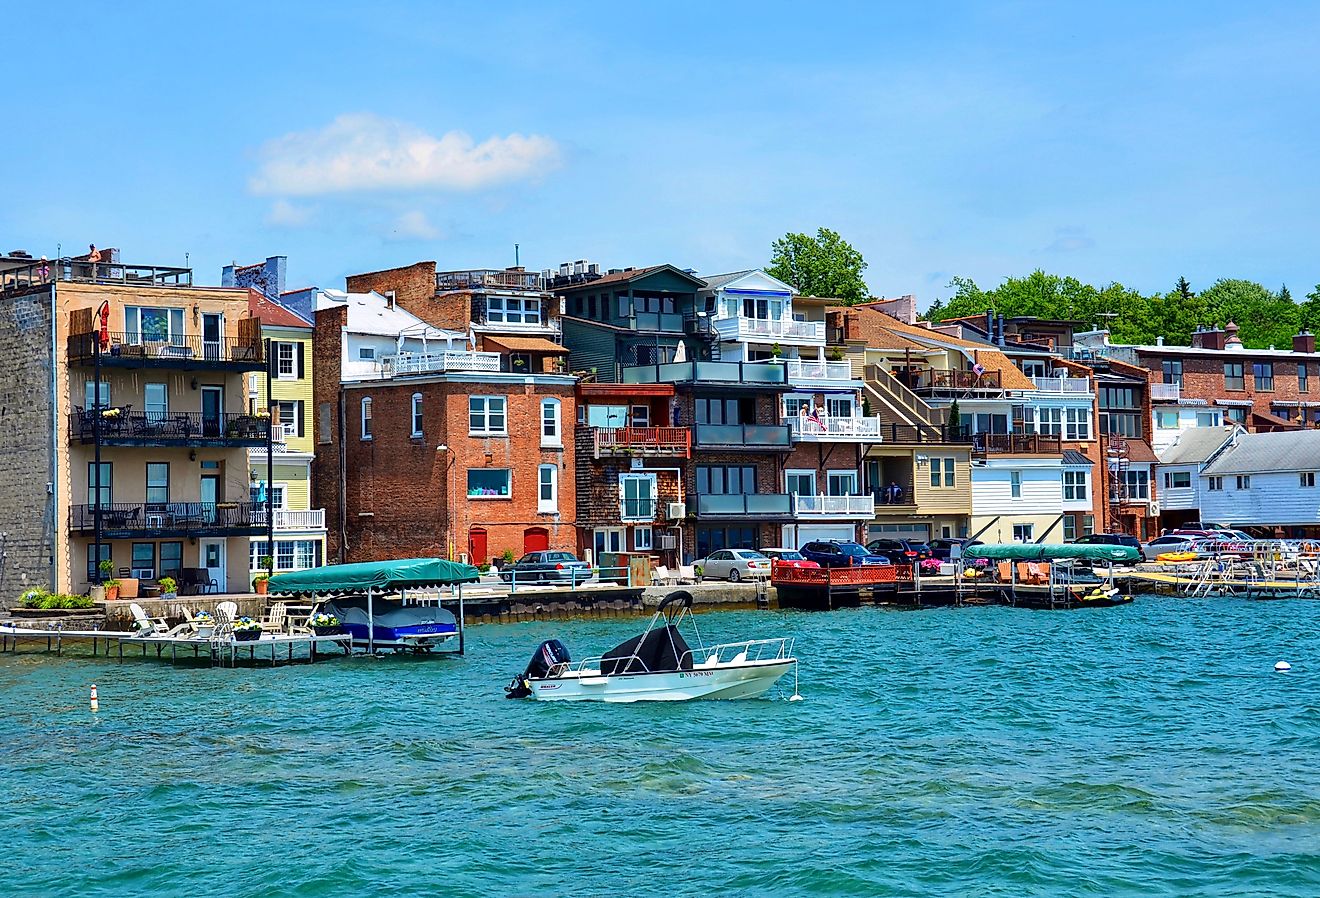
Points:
point(815, 418)
point(978, 369)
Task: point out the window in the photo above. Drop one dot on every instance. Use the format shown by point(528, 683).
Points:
point(104, 498)
point(1236, 414)
point(1307, 478)
point(1177, 480)
point(607, 416)
point(289, 415)
point(1023, 533)
point(286, 360)
point(144, 557)
point(1233, 376)
point(1049, 421)
point(942, 472)
point(323, 427)
point(1207, 419)
point(92, 567)
point(1136, 484)
point(284, 555)
point(713, 539)
point(801, 483)
point(637, 495)
point(1303, 378)
point(1121, 424)
point(1088, 524)
point(1015, 484)
point(1166, 419)
point(1172, 372)
point(171, 560)
point(841, 483)
point(641, 416)
point(416, 414)
point(1079, 424)
point(289, 555)
point(1074, 486)
point(1214, 484)
point(488, 483)
point(721, 411)
point(1263, 374)
point(90, 391)
point(143, 325)
point(512, 310)
point(550, 435)
point(1069, 528)
point(547, 488)
point(158, 482)
point(1244, 481)
point(607, 539)
point(839, 408)
point(157, 401)
point(257, 495)
point(366, 418)
point(797, 405)
point(726, 479)
point(366, 353)
point(642, 539)
point(486, 415)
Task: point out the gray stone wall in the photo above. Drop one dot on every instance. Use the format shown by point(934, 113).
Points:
point(27, 511)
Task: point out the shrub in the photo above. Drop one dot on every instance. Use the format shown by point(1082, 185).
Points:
point(506, 559)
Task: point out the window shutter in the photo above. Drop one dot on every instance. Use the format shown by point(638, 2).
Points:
point(298, 411)
point(302, 370)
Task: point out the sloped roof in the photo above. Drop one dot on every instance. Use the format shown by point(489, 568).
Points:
point(1075, 458)
point(1252, 453)
point(1196, 445)
point(1139, 451)
point(620, 277)
point(370, 313)
point(1010, 376)
point(272, 314)
point(526, 344)
point(716, 281)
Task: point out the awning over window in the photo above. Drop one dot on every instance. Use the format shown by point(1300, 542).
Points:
point(526, 344)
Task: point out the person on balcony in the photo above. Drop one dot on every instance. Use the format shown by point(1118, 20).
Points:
point(894, 493)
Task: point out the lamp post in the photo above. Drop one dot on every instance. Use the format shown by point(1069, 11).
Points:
point(102, 313)
point(449, 512)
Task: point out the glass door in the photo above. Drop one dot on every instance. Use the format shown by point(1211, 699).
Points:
point(213, 331)
point(213, 401)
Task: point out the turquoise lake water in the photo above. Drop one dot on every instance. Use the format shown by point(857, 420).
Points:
point(1145, 750)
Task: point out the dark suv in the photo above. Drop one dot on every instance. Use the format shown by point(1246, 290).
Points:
point(840, 553)
point(898, 549)
point(943, 548)
point(1109, 539)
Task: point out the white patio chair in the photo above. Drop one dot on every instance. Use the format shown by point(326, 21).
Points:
point(275, 619)
point(145, 624)
point(229, 609)
point(660, 576)
point(687, 573)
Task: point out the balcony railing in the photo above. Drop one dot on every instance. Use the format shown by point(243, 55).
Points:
point(925, 433)
point(440, 362)
point(1062, 384)
point(166, 351)
point(637, 509)
point(121, 426)
point(825, 428)
point(946, 379)
point(672, 442)
point(1022, 443)
point(834, 506)
point(1166, 392)
point(40, 272)
point(746, 436)
point(669, 322)
point(487, 277)
point(752, 504)
point(287, 519)
point(762, 330)
point(806, 371)
point(1126, 354)
point(186, 518)
point(770, 374)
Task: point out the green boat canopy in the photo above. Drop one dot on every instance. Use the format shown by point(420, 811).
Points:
point(378, 576)
point(1047, 552)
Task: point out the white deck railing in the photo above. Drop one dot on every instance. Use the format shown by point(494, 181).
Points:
point(803, 428)
point(310, 519)
point(437, 362)
point(1166, 392)
point(834, 506)
point(1062, 384)
point(741, 328)
point(815, 371)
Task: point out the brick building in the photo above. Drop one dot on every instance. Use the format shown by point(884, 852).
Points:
point(439, 451)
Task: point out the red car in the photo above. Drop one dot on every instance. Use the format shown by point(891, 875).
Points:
point(787, 558)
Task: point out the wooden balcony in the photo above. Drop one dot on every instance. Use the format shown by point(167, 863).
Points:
point(937, 380)
point(657, 442)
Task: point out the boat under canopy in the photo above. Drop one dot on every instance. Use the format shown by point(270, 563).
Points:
point(1052, 552)
point(377, 576)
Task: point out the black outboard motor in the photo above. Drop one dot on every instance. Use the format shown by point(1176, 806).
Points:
point(546, 656)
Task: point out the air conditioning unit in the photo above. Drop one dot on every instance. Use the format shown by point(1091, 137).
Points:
point(144, 573)
point(668, 541)
point(677, 510)
point(1154, 508)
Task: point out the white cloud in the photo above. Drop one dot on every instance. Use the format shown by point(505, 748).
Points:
point(369, 153)
point(414, 226)
point(284, 214)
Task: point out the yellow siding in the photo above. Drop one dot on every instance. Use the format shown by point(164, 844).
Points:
point(944, 500)
point(293, 389)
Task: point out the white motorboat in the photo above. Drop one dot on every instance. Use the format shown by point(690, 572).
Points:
point(659, 666)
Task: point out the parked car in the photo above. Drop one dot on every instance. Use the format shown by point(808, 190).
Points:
point(535, 567)
point(898, 549)
point(840, 553)
point(943, 548)
point(787, 558)
point(1109, 539)
point(1167, 543)
point(734, 564)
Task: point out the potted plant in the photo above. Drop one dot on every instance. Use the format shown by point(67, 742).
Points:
point(261, 583)
point(247, 630)
point(325, 624)
point(776, 350)
point(169, 588)
point(111, 590)
point(106, 567)
point(204, 623)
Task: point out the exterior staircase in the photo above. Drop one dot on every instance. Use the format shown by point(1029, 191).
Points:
point(894, 403)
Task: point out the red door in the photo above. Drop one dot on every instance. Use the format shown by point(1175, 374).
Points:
point(535, 539)
point(477, 546)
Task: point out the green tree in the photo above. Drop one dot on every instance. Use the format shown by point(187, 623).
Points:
point(1310, 310)
point(1184, 290)
point(824, 265)
point(1264, 318)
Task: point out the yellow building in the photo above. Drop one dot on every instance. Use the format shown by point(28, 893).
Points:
point(286, 390)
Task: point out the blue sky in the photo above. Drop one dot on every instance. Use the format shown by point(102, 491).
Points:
point(1125, 141)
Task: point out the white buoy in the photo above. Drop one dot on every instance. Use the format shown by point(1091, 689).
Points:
point(795, 697)
point(96, 705)
point(1282, 666)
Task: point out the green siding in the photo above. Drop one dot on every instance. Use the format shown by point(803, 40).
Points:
point(589, 346)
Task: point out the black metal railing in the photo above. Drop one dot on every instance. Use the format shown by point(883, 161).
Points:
point(187, 518)
point(767, 436)
point(925, 433)
point(41, 272)
point(161, 350)
point(121, 424)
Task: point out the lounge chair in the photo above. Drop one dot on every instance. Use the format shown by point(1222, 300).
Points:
point(687, 573)
point(275, 619)
point(228, 609)
point(146, 624)
point(661, 576)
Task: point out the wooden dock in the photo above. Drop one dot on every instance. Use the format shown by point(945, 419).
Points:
point(224, 651)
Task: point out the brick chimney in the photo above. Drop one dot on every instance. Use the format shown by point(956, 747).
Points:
point(1304, 341)
point(1208, 338)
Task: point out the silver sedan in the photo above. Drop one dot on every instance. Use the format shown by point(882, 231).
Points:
point(735, 564)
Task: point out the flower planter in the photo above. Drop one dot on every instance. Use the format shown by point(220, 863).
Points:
point(112, 593)
point(247, 635)
point(204, 631)
point(260, 586)
point(328, 631)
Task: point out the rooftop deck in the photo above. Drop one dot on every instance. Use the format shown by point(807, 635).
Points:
point(39, 273)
